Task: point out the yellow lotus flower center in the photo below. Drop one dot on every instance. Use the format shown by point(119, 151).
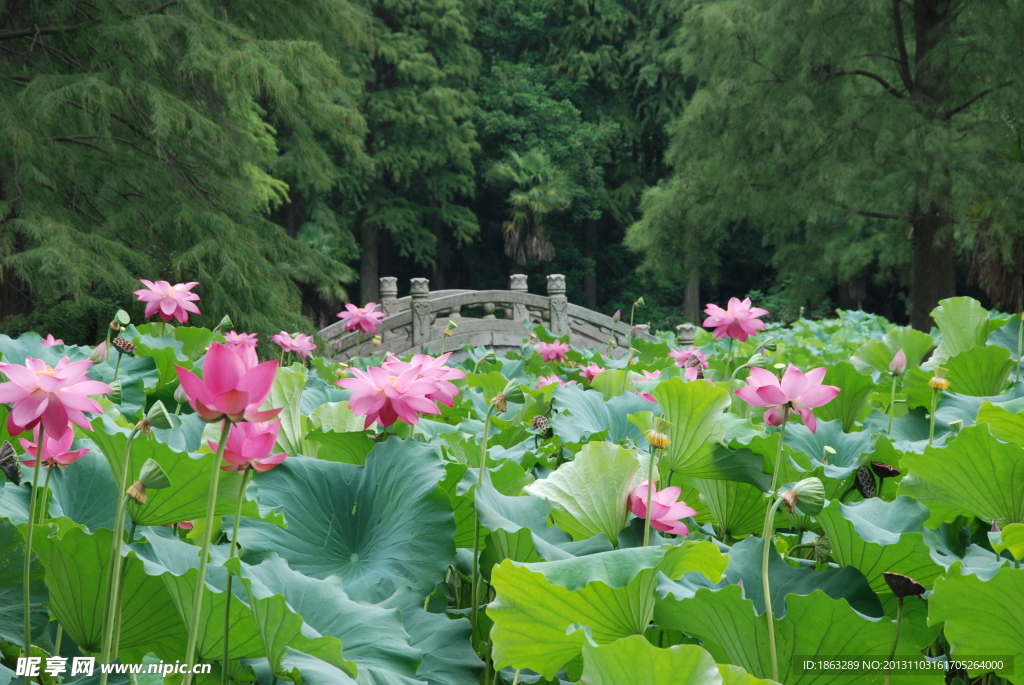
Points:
point(48, 371)
point(392, 378)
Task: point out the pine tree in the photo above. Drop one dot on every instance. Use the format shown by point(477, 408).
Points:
point(147, 139)
point(419, 81)
point(844, 128)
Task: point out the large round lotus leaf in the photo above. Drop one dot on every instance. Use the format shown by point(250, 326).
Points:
point(856, 388)
point(381, 526)
point(612, 594)
point(588, 413)
point(635, 661)
point(815, 626)
point(980, 371)
point(695, 411)
point(983, 617)
point(875, 356)
point(12, 566)
point(737, 508)
point(975, 474)
point(875, 536)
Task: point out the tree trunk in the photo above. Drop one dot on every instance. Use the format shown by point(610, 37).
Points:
point(934, 266)
point(590, 252)
point(369, 255)
point(691, 299)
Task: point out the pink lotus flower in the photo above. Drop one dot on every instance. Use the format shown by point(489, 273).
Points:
point(665, 510)
point(245, 339)
point(553, 352)
point(384, 397)
point(739, 321)
point(172, 301)
point(646, 395)
point(50, 341)
point(898, 365)
point(651, 375)
point(300, 343)
point(550, 380)
point(51, 396)
point(56, 452)
point(364, 319)
point(184, 525)
point(250, 445)
point(797, 391)
point(233, 386)
point(591, 372)
point(432, 370)
point(682, 355)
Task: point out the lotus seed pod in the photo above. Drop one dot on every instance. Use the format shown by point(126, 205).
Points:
point(866, 483)
point(123, 346)
point(903, 586)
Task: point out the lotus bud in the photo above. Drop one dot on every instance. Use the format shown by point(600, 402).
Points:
point(758, 360)
point(769, 343)
point(903, 586)
point(115, 394)
point(898, 365)
point(99, 353)
point(158, 416)
point(956, 426)
point(806, 497)
point(829, 452)
point(617, 315)
point(938, 381)
point(123, 346)
point(995, 526)
point(180, 396)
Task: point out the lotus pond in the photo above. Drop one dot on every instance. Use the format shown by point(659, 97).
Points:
point(551, 515)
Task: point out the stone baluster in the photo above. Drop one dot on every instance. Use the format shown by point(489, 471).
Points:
point(558, 305)
point(685, 334)
point(517, 284)
point(489, 308)
point(421, 318)
point(389, 295)
point(643, 330)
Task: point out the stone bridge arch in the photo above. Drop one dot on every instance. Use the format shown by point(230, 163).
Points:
point(416, 323)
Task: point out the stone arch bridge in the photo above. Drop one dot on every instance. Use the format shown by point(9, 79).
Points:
point(493, 318)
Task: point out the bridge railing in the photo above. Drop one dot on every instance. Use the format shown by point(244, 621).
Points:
point(417, 323)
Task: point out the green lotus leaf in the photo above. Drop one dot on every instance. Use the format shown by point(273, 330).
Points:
point(185, 499)
point(976, 474)
point(611, 593)
point(77, 564)
point(635, 661)
point(815, 625)
point(286, 394)
point(737, 509)
point(1006, 336)
point(875, 536)
point(345, 448)
point(588, 414)
point(12, 566)
point(194, 341)
point(875, 356)
point(336, 417)
point(1011, 539)
point(490, 383)
point(614, 382)
point(964, 324)
point(980, 371)
point(786, 581)
point(982, 617)
point(695, 410)
point(589, 494)
point(165, 352)
point(508, 478)
point(849, 404)
point(1004, 421)
point(85, 491)
point(380, 526)
point(280, 626)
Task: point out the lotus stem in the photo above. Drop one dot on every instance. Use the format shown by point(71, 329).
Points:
point(114, 567)
point(892, 405)
point(474, 603)
point(769, 527)
point(27, 587)
point(515, 680)
point(728, 358)
point(895, 638)
point(359, 343)
point(931, 417)
point(778, 452)
point(1020, 341)
point(650, 489)
point(231, 555)
point(60, 637)
point(197, 599)
point(46, 505)
point(115, 647)
point(117, 366)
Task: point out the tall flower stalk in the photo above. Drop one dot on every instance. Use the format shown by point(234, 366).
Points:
point(658, 439)
point(27, 584)
point(897, 367)
point(231, 555)
point(938, 383)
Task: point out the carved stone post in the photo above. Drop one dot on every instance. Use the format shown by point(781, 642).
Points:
point(420, 292)
point(559, 305)
point(685, 333)
point(517, 284)
point(643, 330)
point(389, 295)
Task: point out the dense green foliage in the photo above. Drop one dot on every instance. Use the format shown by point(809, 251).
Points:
point(288, 156)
